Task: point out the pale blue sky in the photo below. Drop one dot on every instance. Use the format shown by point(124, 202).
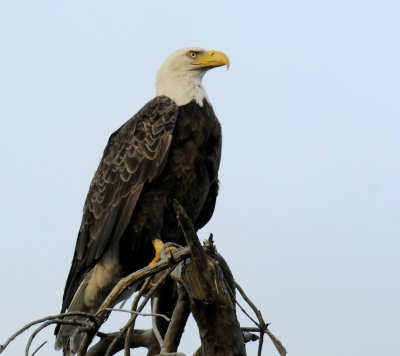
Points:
point(308, 214)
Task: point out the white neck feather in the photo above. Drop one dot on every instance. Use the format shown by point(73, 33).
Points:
point(181, 86)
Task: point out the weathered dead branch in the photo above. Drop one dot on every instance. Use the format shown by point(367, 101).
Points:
point(193, 279)
point(138, 338)
point(58, 318)
point(210, 301)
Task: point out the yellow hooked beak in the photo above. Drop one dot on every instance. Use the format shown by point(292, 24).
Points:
point(210, 59)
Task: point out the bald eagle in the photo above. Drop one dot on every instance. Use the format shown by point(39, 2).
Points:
point(171, 149)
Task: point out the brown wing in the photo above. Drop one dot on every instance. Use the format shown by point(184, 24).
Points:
point(135, 154)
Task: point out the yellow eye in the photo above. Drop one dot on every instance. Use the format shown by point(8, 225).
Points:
point(192, 55)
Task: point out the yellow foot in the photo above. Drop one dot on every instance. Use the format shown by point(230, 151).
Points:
point(158, 246)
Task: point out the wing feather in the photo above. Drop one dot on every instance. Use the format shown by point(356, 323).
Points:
point(135, 154)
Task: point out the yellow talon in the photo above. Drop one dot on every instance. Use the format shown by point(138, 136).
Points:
point(158, 246)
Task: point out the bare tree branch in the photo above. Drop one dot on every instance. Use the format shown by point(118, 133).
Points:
point(211, 303)
point(156, 330)
point(128, 337)
point(58, 317)
point(178, 321)
point(262, 326)
point(141, 307)
point(139, 338)
point(201, 282)
point(38, 348)
point(140, 314)
point(45, 325)
point(196, 250)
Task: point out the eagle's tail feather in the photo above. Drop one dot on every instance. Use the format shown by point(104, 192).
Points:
point(88, 298)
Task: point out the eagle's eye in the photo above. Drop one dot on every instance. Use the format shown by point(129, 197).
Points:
point(192, 55)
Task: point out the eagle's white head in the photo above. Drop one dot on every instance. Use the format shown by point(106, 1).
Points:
point(180, 76)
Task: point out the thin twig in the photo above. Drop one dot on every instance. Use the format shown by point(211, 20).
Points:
point(41, 320)
point(241, 308)
point(129, 332)
point(260, 343)
point(140, 314)
point(263, 327)
point(250, 329)
point(278, 344)
point(256, 311)
point(45, 325)
point(155, 328)
point(39, 347)
point(251, 304)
